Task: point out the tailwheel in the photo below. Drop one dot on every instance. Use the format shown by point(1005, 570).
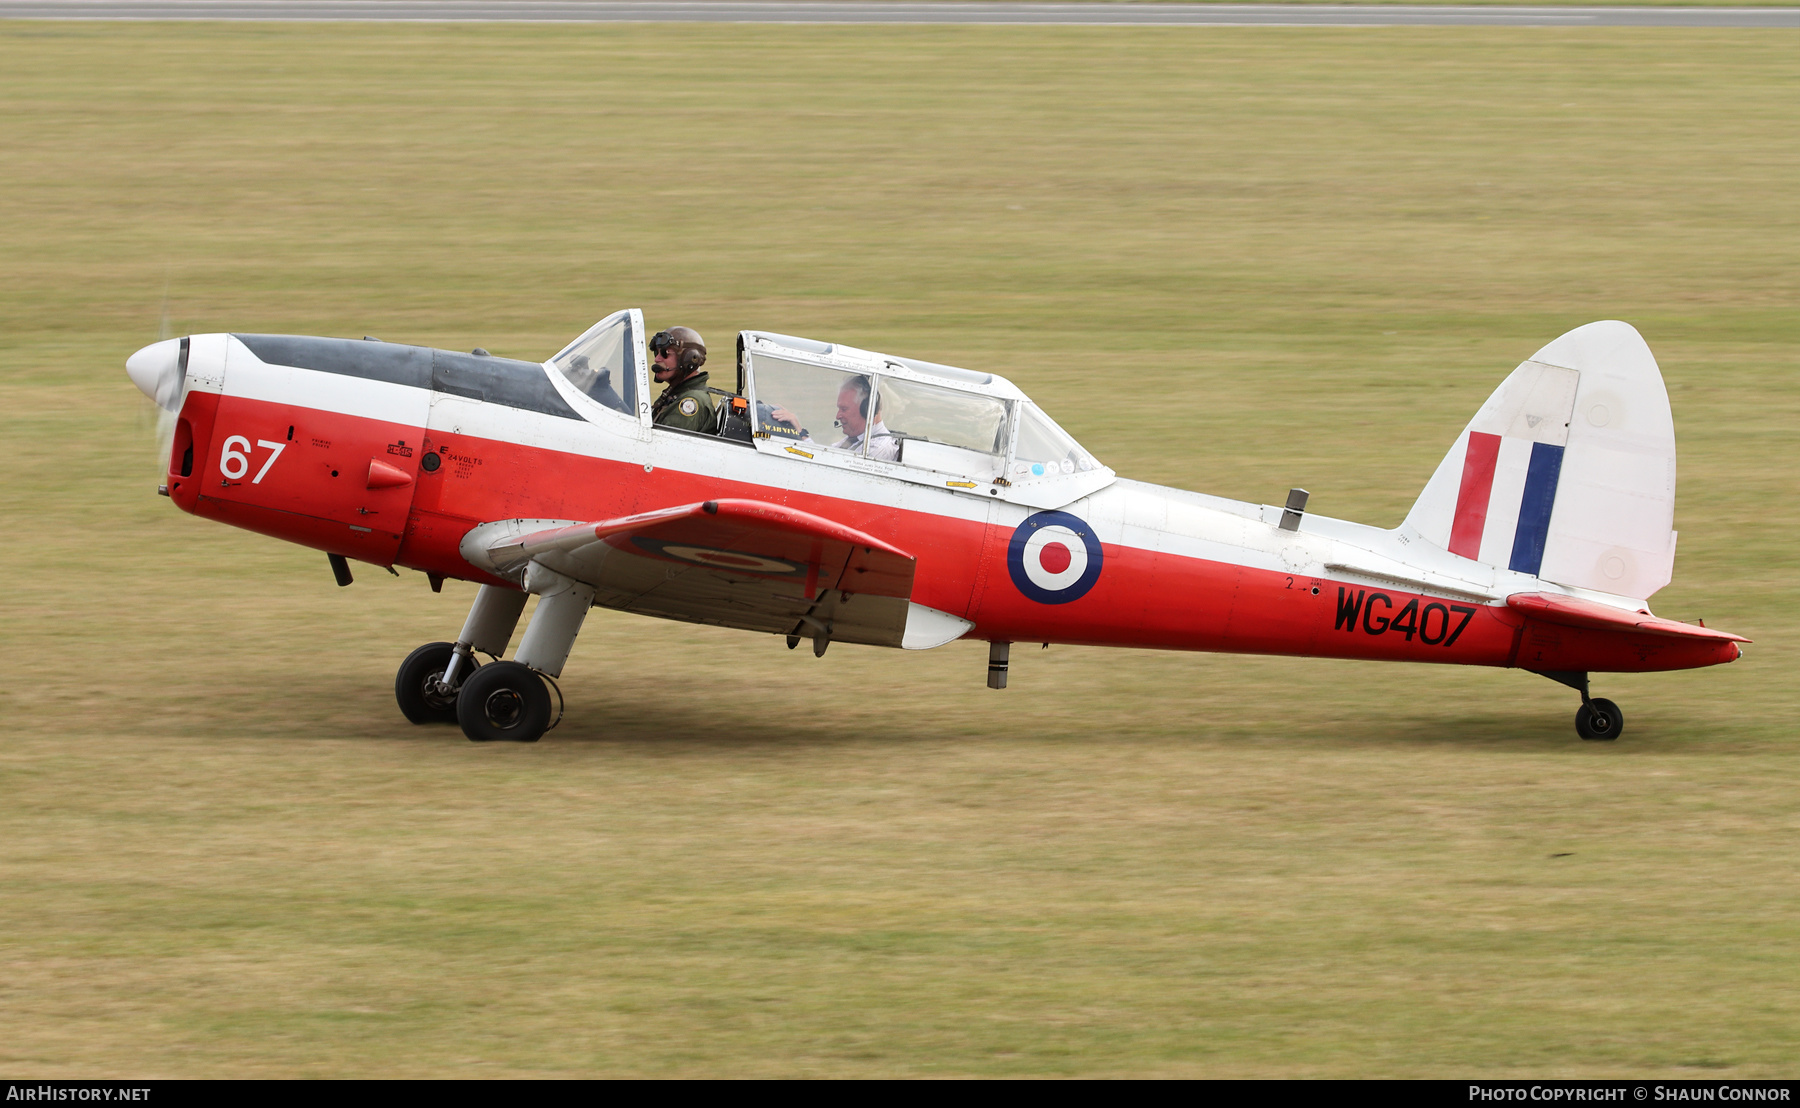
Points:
point(504, 702)
point(1599, 720)
point(419, 687)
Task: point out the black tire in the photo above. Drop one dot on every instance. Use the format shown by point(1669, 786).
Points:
point(415, 686)
point(504, 702)
point(1599, 720)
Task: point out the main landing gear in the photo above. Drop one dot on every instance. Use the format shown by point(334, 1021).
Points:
point(442, 682)
point(1598, 719)
point(504, 701)
point(419, 686)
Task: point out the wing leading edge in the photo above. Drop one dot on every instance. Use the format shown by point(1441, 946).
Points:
point(746, 564)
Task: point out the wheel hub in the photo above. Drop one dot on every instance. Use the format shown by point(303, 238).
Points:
point(437, 694)
point(503, 708)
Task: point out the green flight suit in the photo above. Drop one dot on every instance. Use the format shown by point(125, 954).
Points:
point(685, 404)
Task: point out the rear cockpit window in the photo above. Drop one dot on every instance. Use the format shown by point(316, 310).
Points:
point(1046, 449)
point(818, 407)
point(946, 430)
point(881, 418)
point(916, 421)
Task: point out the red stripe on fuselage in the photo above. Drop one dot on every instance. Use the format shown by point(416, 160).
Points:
point(1472, 498)
point(1144, 598)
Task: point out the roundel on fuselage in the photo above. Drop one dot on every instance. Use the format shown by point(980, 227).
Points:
point(1054, 558)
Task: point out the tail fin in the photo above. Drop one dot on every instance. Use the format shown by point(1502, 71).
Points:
point(1567, 472)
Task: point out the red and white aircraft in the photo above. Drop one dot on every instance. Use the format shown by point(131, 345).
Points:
point(964, 511)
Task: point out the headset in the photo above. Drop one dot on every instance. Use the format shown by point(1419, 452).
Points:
point(690, 348)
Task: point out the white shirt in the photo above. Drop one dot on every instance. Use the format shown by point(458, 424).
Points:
point(883, 446)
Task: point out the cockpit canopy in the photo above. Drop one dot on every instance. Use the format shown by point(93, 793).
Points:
point(828, 404)
point(939, 424)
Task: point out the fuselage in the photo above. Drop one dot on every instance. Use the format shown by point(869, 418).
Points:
point(335, 457)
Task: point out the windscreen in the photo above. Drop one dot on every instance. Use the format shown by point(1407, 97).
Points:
point(600, 364)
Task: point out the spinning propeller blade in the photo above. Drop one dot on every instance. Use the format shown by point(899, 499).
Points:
point(157, 372)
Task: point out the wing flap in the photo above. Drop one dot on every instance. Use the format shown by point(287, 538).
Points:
point(1573, 612)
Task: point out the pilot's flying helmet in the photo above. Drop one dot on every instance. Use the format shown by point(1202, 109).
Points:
point(689, 347)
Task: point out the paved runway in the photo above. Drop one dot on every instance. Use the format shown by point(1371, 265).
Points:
point(898, 11)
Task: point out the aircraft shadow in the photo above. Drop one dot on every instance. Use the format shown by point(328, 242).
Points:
point(676, 716)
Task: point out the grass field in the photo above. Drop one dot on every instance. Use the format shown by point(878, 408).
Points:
point(1230, 259)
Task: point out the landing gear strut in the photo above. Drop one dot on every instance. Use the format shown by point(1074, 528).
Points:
point(432, 677)
point(442, 682)
point(1598, 719)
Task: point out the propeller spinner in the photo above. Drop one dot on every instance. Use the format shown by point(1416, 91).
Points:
point(158, 371)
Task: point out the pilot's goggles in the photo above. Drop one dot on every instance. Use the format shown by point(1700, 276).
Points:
point(662, 342)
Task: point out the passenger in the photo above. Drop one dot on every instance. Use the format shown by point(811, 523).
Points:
point(685, 403)
point(852, 402)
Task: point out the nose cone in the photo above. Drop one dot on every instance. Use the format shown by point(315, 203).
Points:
point(156, 371)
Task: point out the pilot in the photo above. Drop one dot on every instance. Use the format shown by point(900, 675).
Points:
point(685, 403)
point(852, 403)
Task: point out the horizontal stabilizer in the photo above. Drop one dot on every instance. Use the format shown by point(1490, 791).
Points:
point(1573, 612)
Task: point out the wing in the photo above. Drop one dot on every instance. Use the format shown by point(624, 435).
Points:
point(746, 564)
point(1571, 612)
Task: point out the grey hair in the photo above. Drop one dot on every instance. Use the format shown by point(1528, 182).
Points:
point(864, 386)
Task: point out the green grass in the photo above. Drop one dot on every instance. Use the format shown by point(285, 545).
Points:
point(1461, 3)
point(1231, 259)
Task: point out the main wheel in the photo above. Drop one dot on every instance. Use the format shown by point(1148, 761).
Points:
point(1599, 721)
point(504, 702)
point(416, 685)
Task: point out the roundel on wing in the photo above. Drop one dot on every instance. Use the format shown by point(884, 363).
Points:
point(733, 560)
point(1054, 558)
